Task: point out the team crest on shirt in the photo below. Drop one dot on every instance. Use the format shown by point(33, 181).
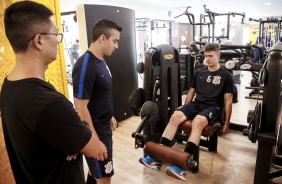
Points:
point(216, 80)
point(108, 167)
point(210, 115)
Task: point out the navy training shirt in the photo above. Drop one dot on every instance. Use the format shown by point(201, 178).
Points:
point(211, 86)
point(92, 80)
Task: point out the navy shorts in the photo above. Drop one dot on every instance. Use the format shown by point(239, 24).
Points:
point(101, 169)
point(191, 110)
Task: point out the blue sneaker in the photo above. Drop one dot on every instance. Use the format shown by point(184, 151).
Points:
point(151, 162)
point(176, 172)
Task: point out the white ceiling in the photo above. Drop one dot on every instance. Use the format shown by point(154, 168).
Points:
point(252, 8)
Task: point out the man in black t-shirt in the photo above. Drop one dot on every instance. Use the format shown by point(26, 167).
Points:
point(41, 128)
point(213, 87)
point(92, 89)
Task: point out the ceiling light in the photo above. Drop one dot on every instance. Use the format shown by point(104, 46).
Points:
point(267, 3)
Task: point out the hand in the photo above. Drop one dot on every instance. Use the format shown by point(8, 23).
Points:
point(113, 124)
point(225, 128)
point(101, 151)
point(71, 157)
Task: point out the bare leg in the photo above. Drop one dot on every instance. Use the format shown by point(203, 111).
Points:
point(106, 180)
point(198, 124)
point(175, 120)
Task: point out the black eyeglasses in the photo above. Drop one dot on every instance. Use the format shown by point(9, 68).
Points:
point(58, 35)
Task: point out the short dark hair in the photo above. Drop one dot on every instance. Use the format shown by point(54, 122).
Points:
point(23, 20)
point(104, 26)
point(212, 47)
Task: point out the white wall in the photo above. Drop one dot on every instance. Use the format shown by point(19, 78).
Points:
point(141, 10)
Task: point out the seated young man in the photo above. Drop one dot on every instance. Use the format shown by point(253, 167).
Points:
point(213, 86)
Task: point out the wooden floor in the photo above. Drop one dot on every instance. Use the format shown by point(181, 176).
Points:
point(234, 163)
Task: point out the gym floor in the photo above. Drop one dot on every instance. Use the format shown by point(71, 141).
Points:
point(234, 162)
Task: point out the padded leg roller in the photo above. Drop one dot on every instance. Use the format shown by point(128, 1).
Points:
point(167, 154)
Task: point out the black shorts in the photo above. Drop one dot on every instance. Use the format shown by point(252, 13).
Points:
point(191, 110)
point(100, 169)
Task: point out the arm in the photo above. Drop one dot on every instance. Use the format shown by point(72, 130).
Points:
point(190, 95)
point(61, 127)
point(227, 110)
point(83, 112)
point(100, 150)
point(95, 148)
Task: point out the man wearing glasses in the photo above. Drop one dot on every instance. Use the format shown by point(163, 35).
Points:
point(40, 126)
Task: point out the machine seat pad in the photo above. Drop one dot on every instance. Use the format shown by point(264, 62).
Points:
point(186, 126)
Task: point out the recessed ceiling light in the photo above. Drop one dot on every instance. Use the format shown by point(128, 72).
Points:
point(267, 3)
